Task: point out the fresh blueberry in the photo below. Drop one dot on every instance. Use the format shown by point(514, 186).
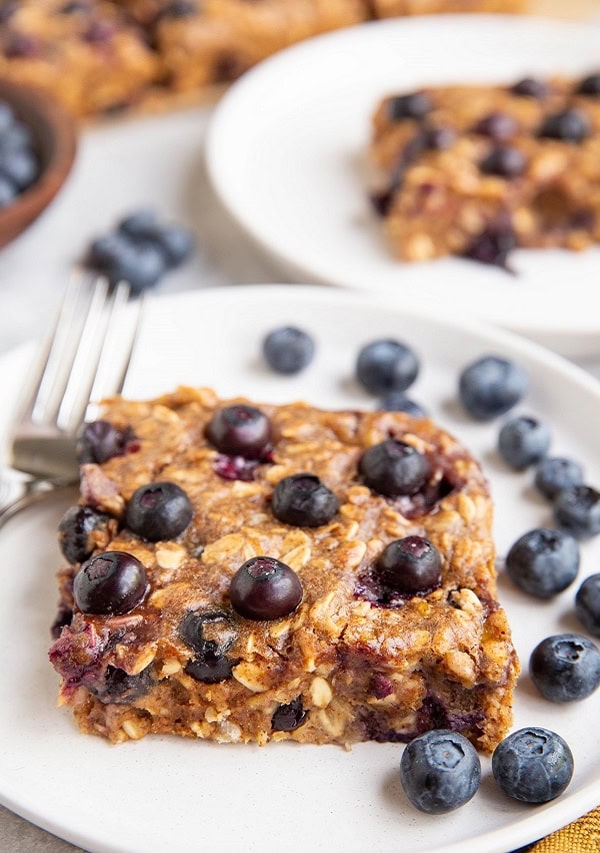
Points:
point(523, 441)
point(100, 32)
point(556, 473)
point(587, 604)
point(287, 718)
point(504, 161)
point(100, 441)
point(304, 501)
point(116, 256)
point(288, 350)
point(8, 191)
point(543, 562)
point(159, 511)
point(533, 765)
point(110, 583)
point(20, 166)
point(440, 771)
point(530, 87)
point(76, 532)
point(415, 105)
point(175, 242)
point(139, 224)
point(439, 138)
point(492, 246)
point(386, 365)
point(393, 468)
point(590, 85)
point(491, 386)
point(565, 667)
point(499, 126)
point(395, 401)
point(570, 125)
point(7, 117)
point(210, 664)
point(14, 137)
point(265, 588)
point(240, 430)
point(410, 566)
point(577, 511)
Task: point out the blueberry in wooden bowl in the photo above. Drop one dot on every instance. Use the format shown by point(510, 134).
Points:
point(37, 149)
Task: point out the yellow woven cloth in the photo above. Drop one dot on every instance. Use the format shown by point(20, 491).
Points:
point(582, 836)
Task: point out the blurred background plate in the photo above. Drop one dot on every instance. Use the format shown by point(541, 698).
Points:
point(286, 148)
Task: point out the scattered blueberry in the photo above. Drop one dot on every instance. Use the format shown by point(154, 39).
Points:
point(159, 511)
point(570, 125)
point(492, 246)
point(491, 386)
point(440, 771)
point(565, 667)
point(265, 588)
point(288, 350)
point(386, 365)
point(75, 532)
point(523, 441)
point(587, 604)
point(439, 138)
point(533, 765)
point(140, 251)
point(304, 501)
point(393, 468)
point(210, 664)
point(100, 441)
point(8, 192)
point(287, 718)
point(410, 566)
point(530, 87)
point(590, 85)
point(556, 473)
point(19, 164)
point(119, 259)
point(577, 511)
point(240, 430)
point(504, 161)
point(110, 583)
point(499, 126)
point(395, 401)
point(175, 242)
point(543, 562)
point(415, 105)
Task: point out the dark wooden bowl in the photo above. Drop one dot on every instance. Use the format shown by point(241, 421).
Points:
point(55, 137)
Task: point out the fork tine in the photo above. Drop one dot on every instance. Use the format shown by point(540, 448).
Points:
point(39, 393)
point(86, 355)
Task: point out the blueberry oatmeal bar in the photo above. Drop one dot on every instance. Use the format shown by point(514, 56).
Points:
point(479, 170)
point(101, 55)
point(244, 573)
point(87, 54)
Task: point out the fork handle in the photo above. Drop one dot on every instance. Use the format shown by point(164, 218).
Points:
point(24, 495)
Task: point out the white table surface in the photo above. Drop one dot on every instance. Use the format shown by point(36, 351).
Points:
point(152, 162)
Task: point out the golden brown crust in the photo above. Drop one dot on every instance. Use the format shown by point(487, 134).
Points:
point(442, 658)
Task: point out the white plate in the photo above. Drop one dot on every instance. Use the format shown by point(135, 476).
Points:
point(165, 793)
point(286, 154)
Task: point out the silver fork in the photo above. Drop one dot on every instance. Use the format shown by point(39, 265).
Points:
point(86, 358)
